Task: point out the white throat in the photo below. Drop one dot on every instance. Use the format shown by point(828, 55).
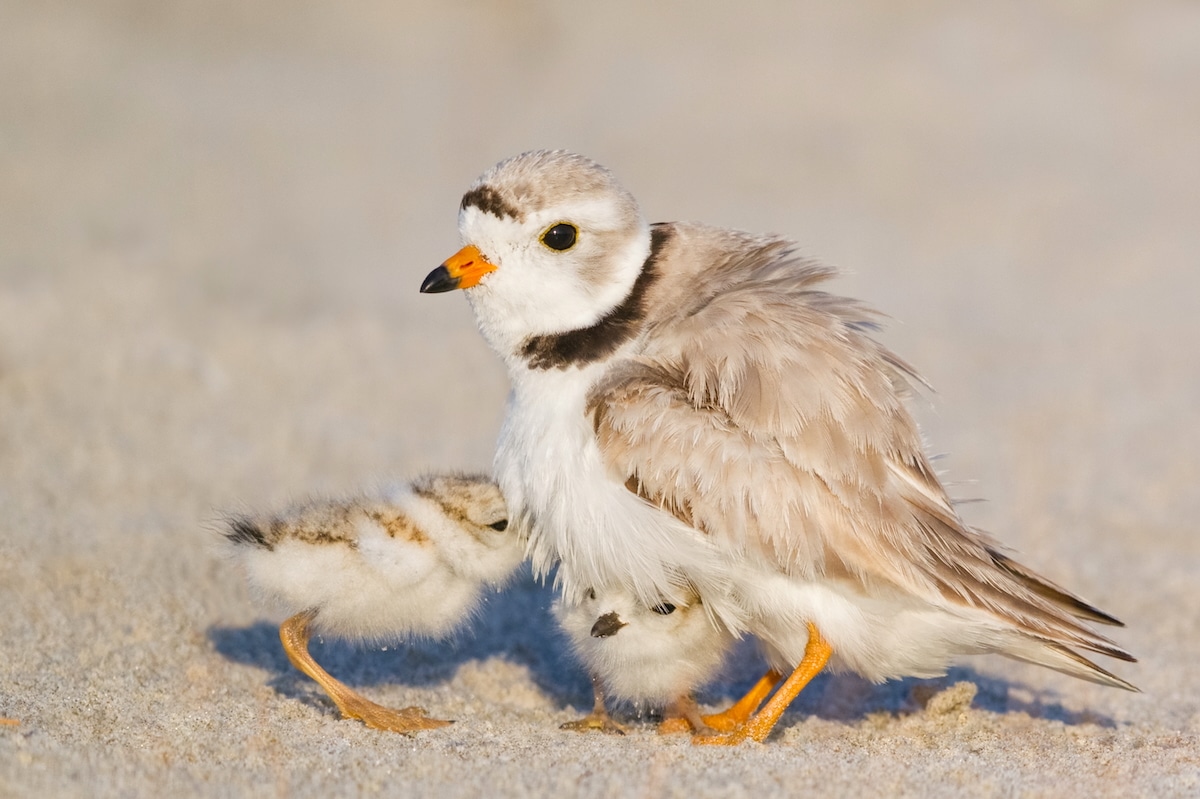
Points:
point(518, 301)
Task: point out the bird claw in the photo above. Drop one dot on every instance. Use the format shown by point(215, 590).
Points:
point(733, 737)
point(594, 722)
point(683, 715)
point(675, 726)
point(295, 634)
point(406, 721)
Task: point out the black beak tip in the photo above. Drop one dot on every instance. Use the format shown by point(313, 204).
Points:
point(607, 625)
point(438, 281)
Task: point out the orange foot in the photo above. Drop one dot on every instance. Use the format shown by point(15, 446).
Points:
point(736, 716)
point(406, 721)
point(674, 726)
point(757, 728)
point(295, 632)
point(683, 715)
point(598, 720)
point(731, 738)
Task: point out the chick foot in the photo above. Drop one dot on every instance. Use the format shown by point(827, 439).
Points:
point(295, 634)
point(595, 723)
point(406, 721)
point(598, 720)
point(683, 715)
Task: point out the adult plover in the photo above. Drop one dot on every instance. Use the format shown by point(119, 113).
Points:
point(690, 410)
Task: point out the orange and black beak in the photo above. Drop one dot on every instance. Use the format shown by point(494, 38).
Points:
point(460, 271)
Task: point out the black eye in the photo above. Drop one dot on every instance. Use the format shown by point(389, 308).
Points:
point(560, 237)
point(591, 593)
point(499, 526)
point(665, 609)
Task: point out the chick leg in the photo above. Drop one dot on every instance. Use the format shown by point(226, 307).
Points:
point(683, 715)
point(295, 634)
point(598, 720)
point(729, 720)
point(9, 722)
point(816, 655)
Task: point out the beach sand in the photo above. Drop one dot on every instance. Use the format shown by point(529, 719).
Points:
point(214, 218)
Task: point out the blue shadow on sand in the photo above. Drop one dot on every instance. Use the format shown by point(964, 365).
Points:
point(850, 698)
point(517, 625)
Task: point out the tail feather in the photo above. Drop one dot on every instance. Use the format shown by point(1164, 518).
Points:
point(1037, 610)
point(1053, 593)
point(1055, 656)
point(243, 530)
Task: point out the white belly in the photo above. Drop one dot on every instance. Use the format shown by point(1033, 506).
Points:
point(880, 637)
point(584, 519)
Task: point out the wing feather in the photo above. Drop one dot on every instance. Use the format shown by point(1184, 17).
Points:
point(764, 414)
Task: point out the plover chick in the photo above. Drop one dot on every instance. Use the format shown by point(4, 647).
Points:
point(413, 559)
point(652, 656)
point(690, 408)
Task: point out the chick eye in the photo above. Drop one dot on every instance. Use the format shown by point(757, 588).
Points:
point(665, 609)
point(499, 526)
point(560, 237)
point(591, 593)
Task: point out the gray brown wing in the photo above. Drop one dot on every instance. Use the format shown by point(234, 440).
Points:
point(768, 417)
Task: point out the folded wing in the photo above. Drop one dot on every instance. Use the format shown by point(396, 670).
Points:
point(768, 417)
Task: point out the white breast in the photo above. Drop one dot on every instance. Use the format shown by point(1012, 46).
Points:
point(581, 517)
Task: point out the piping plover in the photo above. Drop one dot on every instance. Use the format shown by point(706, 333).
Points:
point(690, 408)
point(413, 559)
point(648, 655)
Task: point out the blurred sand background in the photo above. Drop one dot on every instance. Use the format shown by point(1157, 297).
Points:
point(214, 217)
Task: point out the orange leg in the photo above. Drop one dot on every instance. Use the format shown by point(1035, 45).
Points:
point(816, 655)
point(598, 720)
point(683, 715)
point(737, 715)
point(295, 634)
point(9, 722)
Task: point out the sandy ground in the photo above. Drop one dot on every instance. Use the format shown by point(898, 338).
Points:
point(213, 221)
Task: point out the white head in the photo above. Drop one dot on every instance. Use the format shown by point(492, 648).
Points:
point(640, 653)
point(466, 519)
point(552, 244)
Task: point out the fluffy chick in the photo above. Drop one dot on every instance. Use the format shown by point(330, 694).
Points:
point(412, 559)
point(654, 656)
